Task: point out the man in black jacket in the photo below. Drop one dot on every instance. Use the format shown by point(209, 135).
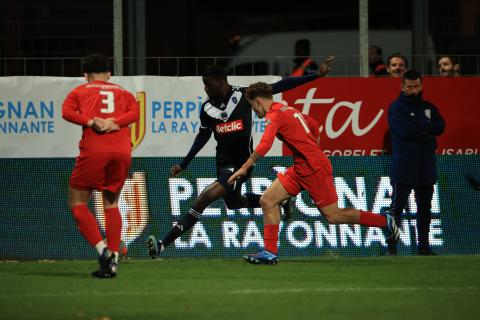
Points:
point(414, 124)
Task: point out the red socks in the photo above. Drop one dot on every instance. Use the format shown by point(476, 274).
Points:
point(270, 237)
point(270, 231)
point(372, 220)
point(87, 224)
point(113, 228)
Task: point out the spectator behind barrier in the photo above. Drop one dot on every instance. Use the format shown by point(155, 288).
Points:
point(448, 66)
point(375, 61)
point(397, 64)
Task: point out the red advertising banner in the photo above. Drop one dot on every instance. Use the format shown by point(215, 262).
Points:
point(353, 112)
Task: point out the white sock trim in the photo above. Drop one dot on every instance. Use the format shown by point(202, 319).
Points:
point(100, 246)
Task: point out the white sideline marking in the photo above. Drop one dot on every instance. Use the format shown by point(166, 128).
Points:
point(236, 292)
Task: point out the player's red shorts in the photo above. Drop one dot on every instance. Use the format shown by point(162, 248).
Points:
point(319, 185)
point(100, 171)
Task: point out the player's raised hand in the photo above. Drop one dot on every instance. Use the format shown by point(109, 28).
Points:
point(325, 66)
point(175, 170)
point(237, 175)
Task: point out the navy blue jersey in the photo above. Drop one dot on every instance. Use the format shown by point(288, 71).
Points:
point(230, 121)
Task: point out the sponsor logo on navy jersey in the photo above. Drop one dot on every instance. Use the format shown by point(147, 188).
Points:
point(229, 127)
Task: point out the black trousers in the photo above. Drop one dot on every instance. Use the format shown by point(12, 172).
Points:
point(423, 198)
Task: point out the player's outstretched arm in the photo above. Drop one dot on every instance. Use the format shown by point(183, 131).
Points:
point(200, 141)
point(325, 66)
point(293, 82)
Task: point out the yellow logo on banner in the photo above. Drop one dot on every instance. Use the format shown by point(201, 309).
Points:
point(137, 129)
point(132, 204)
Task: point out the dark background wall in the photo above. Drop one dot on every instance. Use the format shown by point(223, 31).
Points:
point(55, 28)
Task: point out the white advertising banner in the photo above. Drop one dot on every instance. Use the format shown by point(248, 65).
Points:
point(31, 123)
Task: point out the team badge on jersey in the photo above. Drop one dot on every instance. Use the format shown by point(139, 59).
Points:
point(235, 100)
point(428, 114)
point(224, 116)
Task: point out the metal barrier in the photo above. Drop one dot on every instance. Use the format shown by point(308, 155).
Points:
point(344, 65)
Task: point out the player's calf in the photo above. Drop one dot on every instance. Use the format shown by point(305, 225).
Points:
point(288, 206)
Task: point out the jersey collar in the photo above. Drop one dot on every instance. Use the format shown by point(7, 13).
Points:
point(275, 106)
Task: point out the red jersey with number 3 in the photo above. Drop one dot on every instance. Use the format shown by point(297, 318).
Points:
point(103, 100)
point(300, 132)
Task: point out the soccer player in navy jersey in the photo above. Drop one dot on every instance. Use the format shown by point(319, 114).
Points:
point(311, 171)
point(227, 114)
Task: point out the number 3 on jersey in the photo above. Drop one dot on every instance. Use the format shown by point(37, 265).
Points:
point(302, 121)
point(108, 100)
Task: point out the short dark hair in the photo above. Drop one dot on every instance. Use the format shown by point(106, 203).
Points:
point(259, 89)
point(397, 55)
point(452, 59)
point(304, 43)
point(411, 75)
point(215, 71)
point(95, 63)
point(378, 50)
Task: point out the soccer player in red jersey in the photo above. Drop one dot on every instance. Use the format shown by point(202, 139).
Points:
point(104, 110)
point(311, 171)
point(228, 116)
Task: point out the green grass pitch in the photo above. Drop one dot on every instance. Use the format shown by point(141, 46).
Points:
point(446, 287)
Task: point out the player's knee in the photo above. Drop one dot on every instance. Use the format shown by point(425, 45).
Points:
point(266, 202)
